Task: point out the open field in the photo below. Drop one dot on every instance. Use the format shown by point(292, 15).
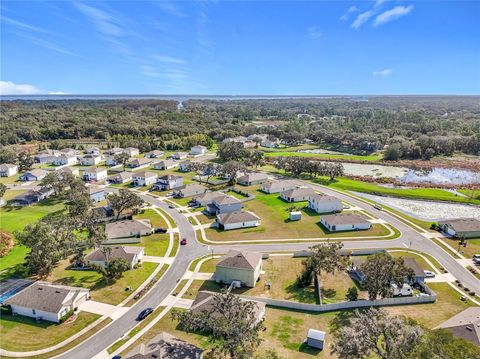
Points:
point(473, 246)
point(20, 333)
point(111, 294)
point(155, 244)
point(275, 224)
point(324, 156)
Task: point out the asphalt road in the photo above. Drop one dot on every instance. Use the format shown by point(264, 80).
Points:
point(409, 239)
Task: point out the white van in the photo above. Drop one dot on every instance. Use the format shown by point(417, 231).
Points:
point(405, 291)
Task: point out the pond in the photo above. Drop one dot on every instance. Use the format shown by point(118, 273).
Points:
point(442, 176)
point(376, 171)
point(427, 210)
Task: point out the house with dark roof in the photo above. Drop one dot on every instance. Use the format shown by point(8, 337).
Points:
point(241, 266)
point(324, 204)
point(190, 190)
point(224, 204)
point(46, 301)
point(154, 154)
point(297, 194)
point(33, 196)
point(235, 220)
point(206, 198)
point(165, 346)
point(461, 227)
point(465, 325)
point(252, 179)
point(101, 257)
point(168, 182)
point(141, 162)
point(345, 222)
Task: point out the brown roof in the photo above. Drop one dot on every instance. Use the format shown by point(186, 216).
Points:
point(413, 264)
point(237, 217)
point(94, 189)
point(123, 175)
point(95, 169)
point(226, 200)
point(165, 163)
point(207, 196)
point(463, 224)
point(45, 296)
point(298, 192)
point(165, 346)
point(169, 177)
point(344, 218)
point(140, 161)
point(240, 259)
point(126, 252)
point(121, 227)
point(37, 172)
point(193, 187)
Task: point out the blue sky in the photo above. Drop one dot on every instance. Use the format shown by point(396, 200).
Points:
point(240, 47)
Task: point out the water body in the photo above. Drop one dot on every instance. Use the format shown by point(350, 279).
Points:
point(442, 176)
point(376, 171)
point(427, 210)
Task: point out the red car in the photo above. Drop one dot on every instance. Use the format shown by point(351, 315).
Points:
point(183, 241)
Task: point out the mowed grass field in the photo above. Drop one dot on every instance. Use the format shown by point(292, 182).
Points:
point(274, 212)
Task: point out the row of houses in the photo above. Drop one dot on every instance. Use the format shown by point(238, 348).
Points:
point(252, 141)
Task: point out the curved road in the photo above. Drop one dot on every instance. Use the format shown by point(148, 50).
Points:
point(409, 238)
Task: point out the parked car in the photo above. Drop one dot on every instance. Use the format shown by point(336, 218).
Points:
point(377, 206)
point(171, 206)
point(183, 242)
point(145, 313)
point(429, 274)
point(117, 357)
point(476, 258)
point(160, 230)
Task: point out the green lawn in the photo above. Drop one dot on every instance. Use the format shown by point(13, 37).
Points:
point(20, 333)
point(155, 244)
point(423, 263)
point(154, 217)
point(274, 212)
point(11, 179)
point(12, 193)
point(111, 294)
point(473, 246)
point(325, 156)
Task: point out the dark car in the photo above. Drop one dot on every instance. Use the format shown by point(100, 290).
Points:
point(160, 230)
point(145, 313)
point(171, 206)
point(117, 357)
point(183, 241)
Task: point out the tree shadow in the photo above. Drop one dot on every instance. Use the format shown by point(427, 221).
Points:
point(306, 349)
point(17, 271)
point(303, 295)
point(340, 320)
point(328, 292)
point(20, 319)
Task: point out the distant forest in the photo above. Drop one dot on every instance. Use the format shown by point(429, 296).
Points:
point(412, 126)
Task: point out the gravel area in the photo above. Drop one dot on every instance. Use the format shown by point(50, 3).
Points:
point(427, 210)
point(442, 176)
point(376, 171)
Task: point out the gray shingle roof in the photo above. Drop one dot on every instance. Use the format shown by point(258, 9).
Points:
point(122, 227)
point(298, 192)
point(225, 200)
point(126, 252)
point(463, 224)
point(240, 259)
point(465, 324)
point(344, 218)
point(236, 217)
point(165, 346)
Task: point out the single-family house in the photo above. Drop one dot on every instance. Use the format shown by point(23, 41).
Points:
point(239, 139)
point(269, 144)
point(252, 179)
point(133, 255)
point(185, 166)
point(72, 170)
point(96, 194)
point(168, 182)
point(128, 229)
point(461, 227)
point(36, 174)
point(144, 178)
point(235, 220)
point(465, 325)
point(198, 150)
point(206, 198)
point(239, 266)
point(141, 162)
point(165, 165)
point(65, 160)
point(154, 154)
point(165, 346)
point(178, 155)
point(409, 262)
point(47, 301)
point(131, 151)
point(122, 177)
point(95, 174)
point(204, 303)
point(70, 151)
point(107, 214)
point(315, 338)
point(32, 196)
point(277, 186)
point(93, 151)
point(8, 169)
point(114, 151)
point(224, 204)
point(43, 158)
point(111, 160)
point(297, 194)
point(324, 204)
point(345, 222)
point(190, 190)
point(90, 160)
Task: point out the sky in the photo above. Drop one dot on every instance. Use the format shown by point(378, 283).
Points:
point(240, 47)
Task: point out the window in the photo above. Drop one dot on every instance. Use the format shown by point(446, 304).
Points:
point(33, 312)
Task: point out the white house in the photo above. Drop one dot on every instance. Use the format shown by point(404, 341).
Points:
point(252, 179)
point(198, 150)
point(345, 222)
point(127, 229)
point(178, 155)
point(224, 204)
point(114, 151)
point(36, 174)
point(144, 178)
point(185, 166)
point(46, 301)
point(168, 182)
point(111, 161)
point(461, 227)
point(235, 220)
point(154, 154)
point(277, 186)
point(133, 255)
point(131, 151)
point(315, 338)
point(241, 266)
point(142, 162)
point(96, 194)
point(165, 165)
point(66, 159)
point(324, 204)
point(72, 170)
point(95, 174)
point(8, 169)
point(93, 151)
point(122, 177)
point(91, 160)
point(297, 194)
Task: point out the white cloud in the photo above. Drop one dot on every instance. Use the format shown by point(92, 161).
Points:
point(58, 93)
point(11, 88)
point(392, 14)
point(379, 2)
point(48, 45)
point(362, 19)
point(171, 8)
point(104, 22)
point(169, 59)
point(382, 73)
point(350, 10)
point(353, 9)
point(22, 25)
point(314, 32)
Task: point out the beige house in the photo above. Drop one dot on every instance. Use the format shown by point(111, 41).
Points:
point(131, 254)
point(252, 179)
point(278, 186)
point(345, 222)
point(235, 220)
point(116, 231)
point(297, 194)
point(239, 266)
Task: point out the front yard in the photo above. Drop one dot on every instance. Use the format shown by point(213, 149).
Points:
point(110, 294)
point(155, 244)
point(20, 333)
